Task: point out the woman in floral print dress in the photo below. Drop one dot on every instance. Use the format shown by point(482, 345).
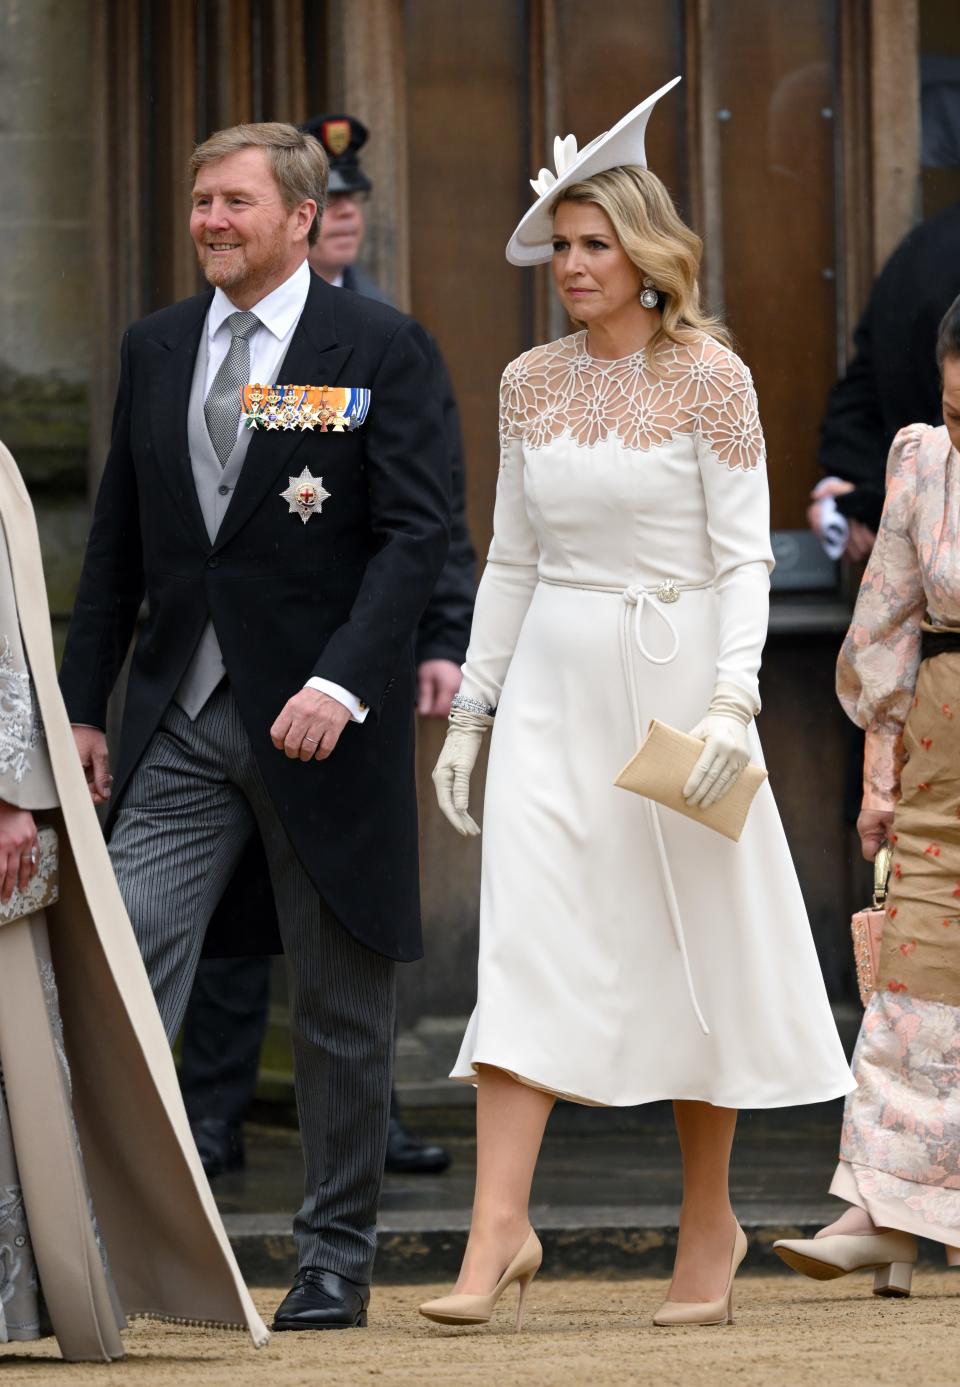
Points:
point(899, 678)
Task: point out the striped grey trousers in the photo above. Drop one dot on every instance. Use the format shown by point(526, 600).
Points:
point(188, 813)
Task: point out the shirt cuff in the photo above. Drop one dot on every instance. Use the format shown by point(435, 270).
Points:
point(356, 707)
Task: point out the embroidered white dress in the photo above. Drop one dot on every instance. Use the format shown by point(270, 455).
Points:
point(627, 953)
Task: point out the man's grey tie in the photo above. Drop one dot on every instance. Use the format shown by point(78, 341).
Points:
point(222, 407)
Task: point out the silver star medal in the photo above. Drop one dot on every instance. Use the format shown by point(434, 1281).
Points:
point(306, 495)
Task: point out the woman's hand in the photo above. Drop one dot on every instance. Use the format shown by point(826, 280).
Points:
point(874, 827)
point(451, 774)
point(726, 752)
point(19, 851)
point(725, 756)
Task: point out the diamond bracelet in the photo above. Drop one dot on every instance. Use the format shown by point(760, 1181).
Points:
point(472, 705)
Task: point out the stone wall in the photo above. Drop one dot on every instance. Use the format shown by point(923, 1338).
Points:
point(45, 300)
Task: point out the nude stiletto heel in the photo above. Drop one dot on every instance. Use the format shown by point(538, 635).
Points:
point(894, 1280)
point(521, 1303)
point(704, 1312)
point(477, 1309)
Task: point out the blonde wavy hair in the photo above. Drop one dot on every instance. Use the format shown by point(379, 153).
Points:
point(659, 243)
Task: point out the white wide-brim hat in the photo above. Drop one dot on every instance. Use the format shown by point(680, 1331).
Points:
point(532, 242)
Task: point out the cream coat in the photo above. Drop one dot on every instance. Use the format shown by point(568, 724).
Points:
point(167, 1251)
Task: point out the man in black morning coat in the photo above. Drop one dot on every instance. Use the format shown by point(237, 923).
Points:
point(269, 710)
point(227, 1015)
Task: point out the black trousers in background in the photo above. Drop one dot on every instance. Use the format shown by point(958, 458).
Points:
point(223, 1033)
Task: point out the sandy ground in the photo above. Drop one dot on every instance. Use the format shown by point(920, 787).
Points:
point(789, 1332)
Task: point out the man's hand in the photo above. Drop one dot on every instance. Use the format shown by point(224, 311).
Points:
point(19, 853)
point(860, 538)
point(874, 827)
point(437, 682)
point(861, 542)
point(95, 760)
point(309, 727)
point(829, 486)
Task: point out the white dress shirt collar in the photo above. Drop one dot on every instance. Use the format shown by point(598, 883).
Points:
point(278, 311)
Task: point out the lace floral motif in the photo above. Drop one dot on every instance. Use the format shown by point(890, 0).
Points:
point(904, 1118)
point(698, 388)
point(20, 728)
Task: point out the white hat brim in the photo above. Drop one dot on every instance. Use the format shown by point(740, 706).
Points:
point(532, 242)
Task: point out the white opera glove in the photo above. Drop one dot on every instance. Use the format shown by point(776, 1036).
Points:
point(451, 774)
point(726, 754)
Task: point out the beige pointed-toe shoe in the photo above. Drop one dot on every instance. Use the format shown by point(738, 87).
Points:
point(477, 1309)
point(890, 1254)
point(706, 1311)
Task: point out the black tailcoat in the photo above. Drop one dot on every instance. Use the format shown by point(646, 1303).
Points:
point(444, 630)
point(338, 597)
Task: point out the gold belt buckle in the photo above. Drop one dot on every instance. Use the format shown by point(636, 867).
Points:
point(668, 591)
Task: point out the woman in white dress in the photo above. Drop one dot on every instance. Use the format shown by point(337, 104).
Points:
point(627, 954)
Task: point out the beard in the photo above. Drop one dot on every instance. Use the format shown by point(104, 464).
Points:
point(224, 274)
point(244, 269)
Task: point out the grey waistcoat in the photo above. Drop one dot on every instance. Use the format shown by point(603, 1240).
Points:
point(215, 486)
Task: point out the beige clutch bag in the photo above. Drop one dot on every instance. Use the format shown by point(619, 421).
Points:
point(43, 888)
point(661, 768)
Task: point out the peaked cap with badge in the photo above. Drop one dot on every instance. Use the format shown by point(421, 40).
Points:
point(342, 137)
point(623, 145)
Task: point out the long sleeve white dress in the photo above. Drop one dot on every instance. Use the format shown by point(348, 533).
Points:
point(627, 953)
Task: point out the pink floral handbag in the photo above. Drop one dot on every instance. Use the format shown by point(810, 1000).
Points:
point(867, 927)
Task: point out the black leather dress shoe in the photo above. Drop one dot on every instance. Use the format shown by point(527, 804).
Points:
point(323, 1300)
point(219, 1144)
point(407, 1155)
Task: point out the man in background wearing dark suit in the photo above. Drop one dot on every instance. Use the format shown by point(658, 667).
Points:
point(892, 378)
point(226, 1019)
point(891, 381)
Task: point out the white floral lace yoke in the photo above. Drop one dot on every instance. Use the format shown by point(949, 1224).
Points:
point(700, 387)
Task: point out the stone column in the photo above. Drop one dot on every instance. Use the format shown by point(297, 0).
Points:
point(367, 79)
point(45, 299)
point(895, 111)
